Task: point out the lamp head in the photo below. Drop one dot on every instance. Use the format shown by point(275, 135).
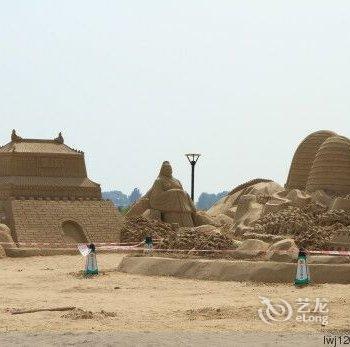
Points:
point(192, 157)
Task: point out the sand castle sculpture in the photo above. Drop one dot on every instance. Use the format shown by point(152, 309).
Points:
point(46, 196)
point(167, 201)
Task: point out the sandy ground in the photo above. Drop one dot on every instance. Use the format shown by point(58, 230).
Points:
point(139, 310)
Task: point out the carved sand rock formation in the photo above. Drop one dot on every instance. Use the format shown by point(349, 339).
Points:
point(168, 202)
point(46, 196)
point(245, 205)
point(136, 229)
point(313, 208)
point(268, 212)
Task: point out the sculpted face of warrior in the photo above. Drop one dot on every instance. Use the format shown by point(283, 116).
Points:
point(166, 170)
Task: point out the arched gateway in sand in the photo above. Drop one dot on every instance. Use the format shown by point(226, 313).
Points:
point(46, 196)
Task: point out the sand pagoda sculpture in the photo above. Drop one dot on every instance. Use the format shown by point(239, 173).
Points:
point(46, 196)
point(167, 201)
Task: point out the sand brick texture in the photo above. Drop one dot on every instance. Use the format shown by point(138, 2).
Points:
point(41, 220)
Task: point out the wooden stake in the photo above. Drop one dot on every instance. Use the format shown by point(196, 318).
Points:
point(67, 308)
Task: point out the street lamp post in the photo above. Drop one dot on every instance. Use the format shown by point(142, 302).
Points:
point(192, 158)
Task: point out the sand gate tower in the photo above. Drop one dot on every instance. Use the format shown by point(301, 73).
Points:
point(46, 196)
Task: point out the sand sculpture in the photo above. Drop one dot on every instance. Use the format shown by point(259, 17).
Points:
point(304, 157)
point(46, 196)
point(261, 219)
point(168, 202)
point(331, 168)
point(313, 208)
point(270, 213)
point(136, 229)
point(321, 162)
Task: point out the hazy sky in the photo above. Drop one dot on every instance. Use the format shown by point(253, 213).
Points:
point(133, 83)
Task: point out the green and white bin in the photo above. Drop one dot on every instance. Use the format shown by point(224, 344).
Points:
point(302, 277)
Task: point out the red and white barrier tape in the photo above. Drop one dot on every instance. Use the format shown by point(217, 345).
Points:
point(342, 253)
point(135, 246)
point(71, 244)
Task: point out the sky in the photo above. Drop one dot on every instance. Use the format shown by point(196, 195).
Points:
point(133, 83)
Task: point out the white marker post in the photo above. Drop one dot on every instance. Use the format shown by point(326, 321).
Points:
point(149, 243)
point(89, 251)
point(302, 277)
